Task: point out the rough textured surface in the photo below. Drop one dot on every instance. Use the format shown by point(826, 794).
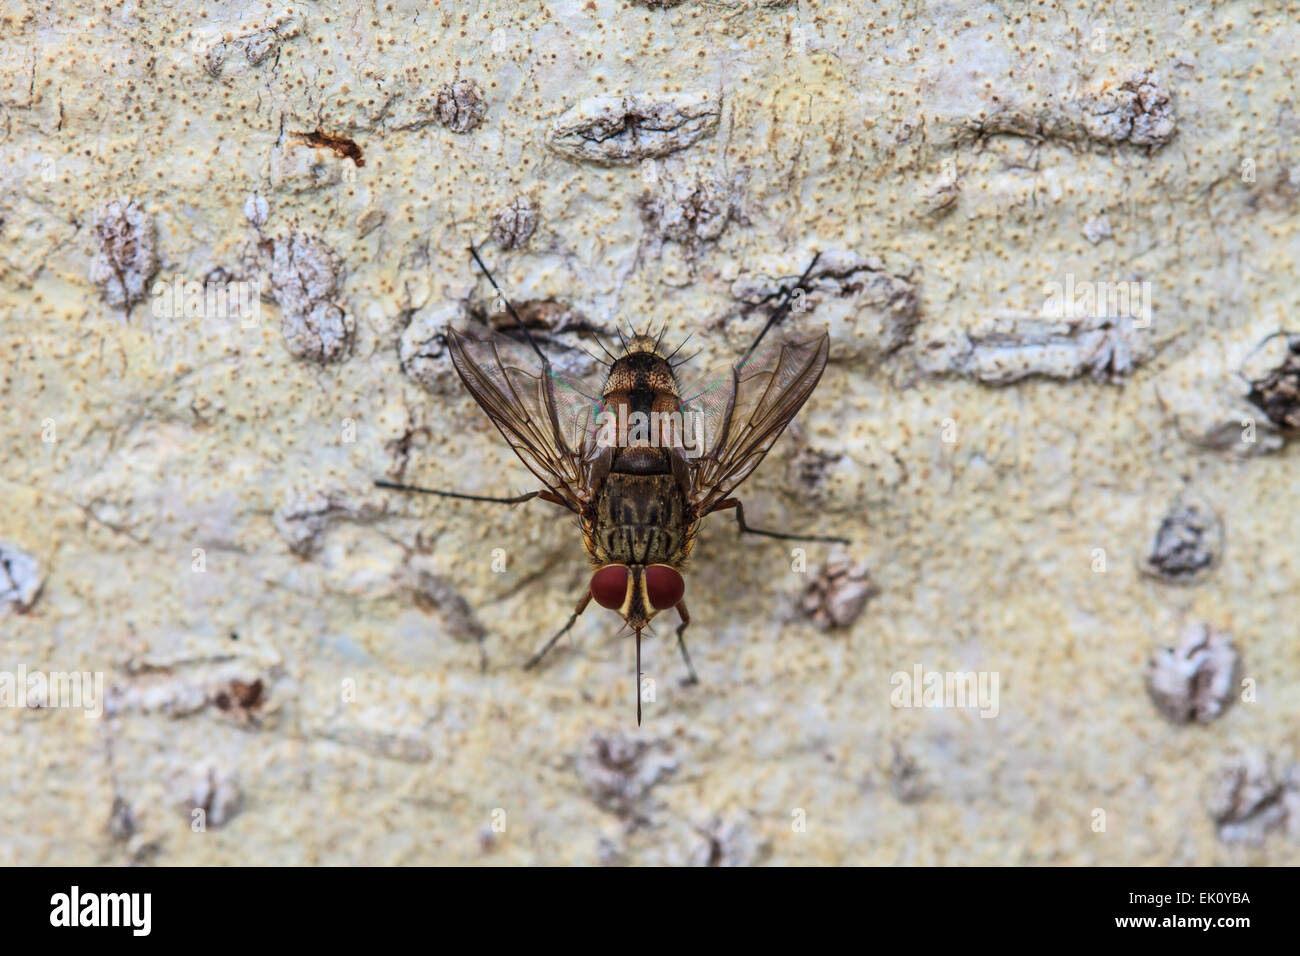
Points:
point(331, 673)
point(1194, 680)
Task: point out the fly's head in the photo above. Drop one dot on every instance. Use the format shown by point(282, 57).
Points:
point(637, 592)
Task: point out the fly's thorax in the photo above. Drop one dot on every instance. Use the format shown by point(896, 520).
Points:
point(639, 519)
point(642, 409)
point(642, 372)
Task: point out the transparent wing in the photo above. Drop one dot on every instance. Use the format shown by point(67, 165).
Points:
point(547, 417)
point(745, 412)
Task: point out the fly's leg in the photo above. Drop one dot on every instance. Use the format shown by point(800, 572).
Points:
point(543, 495)
point(681, 642)
point(510, 308)
point(746, 529)
point(787, 296)
point(582, 606)
point(518, 499)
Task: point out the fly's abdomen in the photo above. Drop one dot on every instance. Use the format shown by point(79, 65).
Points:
point(640, 519)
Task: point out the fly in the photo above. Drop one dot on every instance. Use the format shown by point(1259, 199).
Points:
point(639, 461)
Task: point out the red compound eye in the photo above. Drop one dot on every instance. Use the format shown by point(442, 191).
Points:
point(609, 586)
point(664, 587)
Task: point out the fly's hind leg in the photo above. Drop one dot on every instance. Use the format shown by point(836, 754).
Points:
point(518, 499)
point(681, 641)
point(746, 529)
point(537, 658)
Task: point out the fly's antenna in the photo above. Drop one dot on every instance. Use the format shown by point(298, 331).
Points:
point(509, 308)
point(783, 309)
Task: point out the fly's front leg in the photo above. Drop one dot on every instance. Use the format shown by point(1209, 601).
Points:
point(746, 529)
point(783, 307)
point(537, 658)
point(681, 643)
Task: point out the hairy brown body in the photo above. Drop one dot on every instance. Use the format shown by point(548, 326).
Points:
point(642, 515)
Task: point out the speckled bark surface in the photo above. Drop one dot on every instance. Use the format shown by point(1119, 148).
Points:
point(331, 673)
